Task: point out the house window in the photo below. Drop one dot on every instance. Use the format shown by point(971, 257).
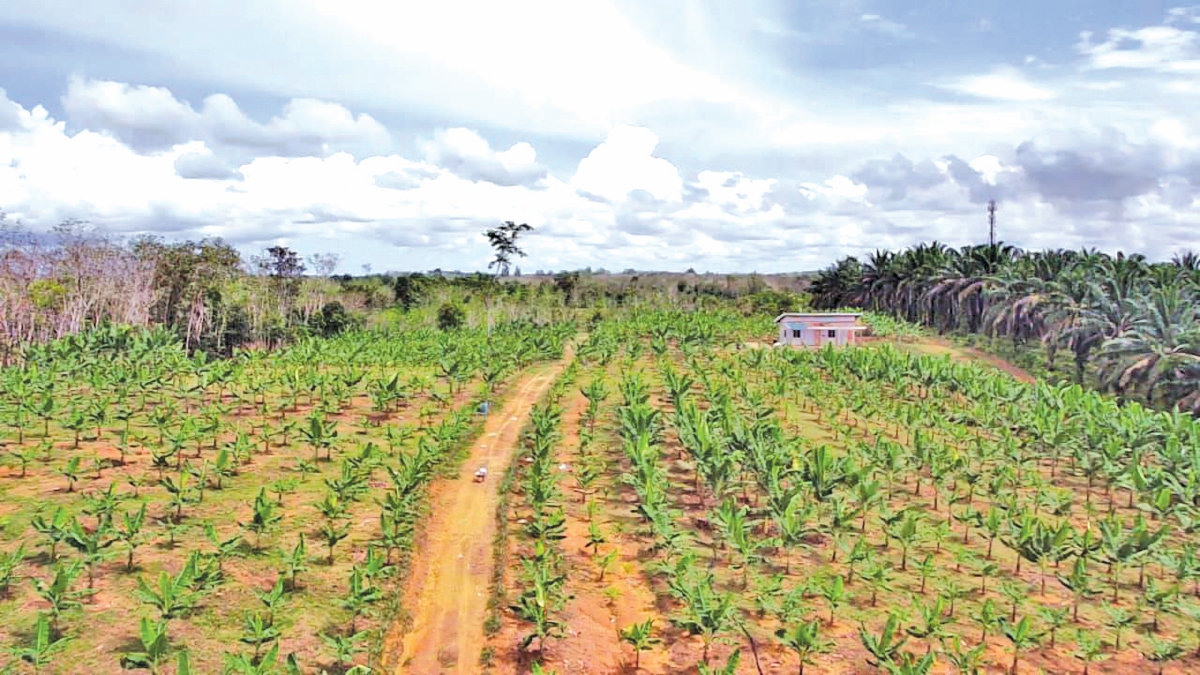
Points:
point(796, 334)
point(832, 333)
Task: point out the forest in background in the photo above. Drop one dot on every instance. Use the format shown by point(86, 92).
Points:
point(216, 300)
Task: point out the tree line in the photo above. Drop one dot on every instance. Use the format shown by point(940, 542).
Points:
point(1129, 325)
point(75, 278)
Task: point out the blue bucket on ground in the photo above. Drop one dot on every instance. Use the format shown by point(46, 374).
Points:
point(483, 407)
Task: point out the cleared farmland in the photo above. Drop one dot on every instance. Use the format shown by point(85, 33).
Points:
point(248, 515)
point(855, 511)
point(677, 502)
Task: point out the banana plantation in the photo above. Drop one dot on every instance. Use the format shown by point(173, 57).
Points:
point(688, 504)
point(167, 513)
point(681, 499)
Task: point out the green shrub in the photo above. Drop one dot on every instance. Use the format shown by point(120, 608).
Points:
point(451, 316)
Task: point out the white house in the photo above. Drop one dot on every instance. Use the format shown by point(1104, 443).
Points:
point(814, 329)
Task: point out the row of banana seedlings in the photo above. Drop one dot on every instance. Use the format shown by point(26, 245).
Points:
point(704, 610)
point(543, 572)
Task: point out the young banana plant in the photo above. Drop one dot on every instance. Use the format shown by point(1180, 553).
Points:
point(641, 637)
point(804, 638)
point(155, 646)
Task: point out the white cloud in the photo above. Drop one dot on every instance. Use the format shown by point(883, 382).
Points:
point(733, 190)
point(151, 119)
point(624, 162)
point(47, 175)
point(1103, 86)
point(1184, 14)
point(838, 187)
point(149, 116)
point(1161, 48)
point(1175, 133)
point(563, 70)
point(398, 212)
point(466, 153)
point(988, 166)
point(828, 133)
point(204, 165)
point(702, 74)
point(1002, 83)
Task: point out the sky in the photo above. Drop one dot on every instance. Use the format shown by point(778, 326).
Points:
point(759, 135)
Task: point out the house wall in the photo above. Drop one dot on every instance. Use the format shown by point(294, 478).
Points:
point(787, 338)
point(816, 337)
point(807, 337)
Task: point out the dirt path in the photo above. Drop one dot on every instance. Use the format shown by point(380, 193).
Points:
point(938, 346)
point(998, 362)
point(448, 589)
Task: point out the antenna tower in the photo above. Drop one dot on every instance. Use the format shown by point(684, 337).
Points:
point(992, 222)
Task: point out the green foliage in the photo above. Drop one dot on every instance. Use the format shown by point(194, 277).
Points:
point(451, 317)
point(805, 639)
point(360, 595)
point(966, 661)
point(345, 648)
point(641, 637)
point(1022, 636)
point(332, 319)
point(1090, 648)
point(258, 629)
point(173, 595)
point(155, 646)
point(730, 667)
point(1127, 323)
point(884, 645)
point(908, 664)
point(8, 568)
point(263, 517)
point(58, 593)
point(799, 479)
point(40, 650)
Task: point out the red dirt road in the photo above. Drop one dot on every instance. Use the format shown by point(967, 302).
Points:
point(942, 345)
point(448, 589)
